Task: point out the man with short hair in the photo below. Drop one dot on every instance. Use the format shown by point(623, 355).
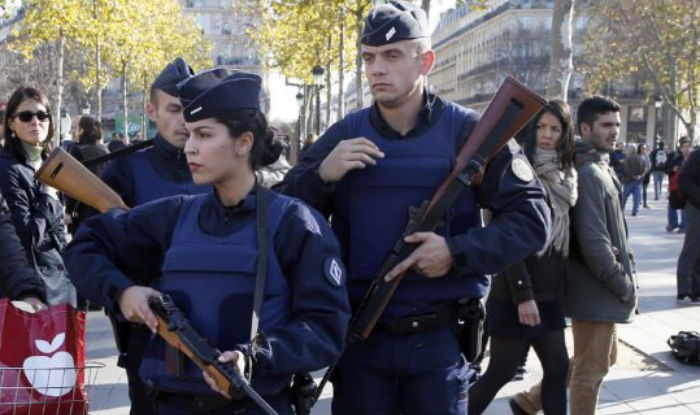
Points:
point(366, 171)
point(146, 175)
point(601, 283)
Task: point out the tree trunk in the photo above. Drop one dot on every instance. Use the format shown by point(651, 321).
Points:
point(561, 64)
point(98, 85)
point(59, 85)
point(125, 106)
point(329, 96)
point(98, 68)
point(341, 71)
point(144, 101)
point(425, 5)
point(359, 24)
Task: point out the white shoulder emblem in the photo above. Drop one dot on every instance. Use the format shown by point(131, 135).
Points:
point(522, 170)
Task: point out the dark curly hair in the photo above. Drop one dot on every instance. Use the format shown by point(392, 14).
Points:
point(566, 146)
point(266, 149)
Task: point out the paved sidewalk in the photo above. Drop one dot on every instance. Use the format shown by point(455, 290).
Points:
point(646, 380)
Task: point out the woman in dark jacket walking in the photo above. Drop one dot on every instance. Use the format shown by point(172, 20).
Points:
point(18, 280)
point(525, 302)
point(36, 212)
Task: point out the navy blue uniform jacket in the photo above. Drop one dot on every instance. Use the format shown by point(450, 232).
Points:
point(520, 222)
point(113, 246)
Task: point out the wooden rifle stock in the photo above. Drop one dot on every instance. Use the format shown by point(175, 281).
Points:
point(63, 172)
point(177, 331)
point(510, 109)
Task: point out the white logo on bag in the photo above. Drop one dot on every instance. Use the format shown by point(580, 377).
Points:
point(52, 376)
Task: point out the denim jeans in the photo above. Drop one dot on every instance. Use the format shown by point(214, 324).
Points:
point(633, 188)
point(658, 176)
point(673, 219)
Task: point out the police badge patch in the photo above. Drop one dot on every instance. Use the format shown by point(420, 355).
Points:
point(333, 271)
point(522, 170)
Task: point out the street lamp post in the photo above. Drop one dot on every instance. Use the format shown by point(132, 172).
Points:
point(317, 73)
point(296, 143)
point(657, 104)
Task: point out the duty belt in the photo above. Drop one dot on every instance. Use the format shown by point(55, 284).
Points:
point(437, 318)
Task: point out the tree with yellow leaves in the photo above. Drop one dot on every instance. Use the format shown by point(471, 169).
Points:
point(656, 41)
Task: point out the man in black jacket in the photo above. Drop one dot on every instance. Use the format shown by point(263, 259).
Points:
point(688, 270)
point(17, 279)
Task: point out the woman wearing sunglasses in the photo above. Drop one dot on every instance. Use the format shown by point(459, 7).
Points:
point(36, 211)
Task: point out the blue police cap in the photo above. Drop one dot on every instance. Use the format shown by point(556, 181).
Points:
point(238, 91)
point(193, 87)
point(392, 22)
point(175, 72)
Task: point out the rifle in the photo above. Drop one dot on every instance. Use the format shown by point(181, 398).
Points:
point(63, 172)
point(510, 109)
point(177, 331)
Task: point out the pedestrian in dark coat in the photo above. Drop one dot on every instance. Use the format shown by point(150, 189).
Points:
point(36, 211)
point(18, 280)
point(525, 302)
point(688, 269)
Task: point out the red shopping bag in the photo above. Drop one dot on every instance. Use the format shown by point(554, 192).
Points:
point(42, 360)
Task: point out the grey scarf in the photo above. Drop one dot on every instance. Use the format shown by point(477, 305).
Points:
point(562, 190)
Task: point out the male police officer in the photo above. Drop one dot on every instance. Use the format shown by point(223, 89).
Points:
point(366, 170)
point(146, 175)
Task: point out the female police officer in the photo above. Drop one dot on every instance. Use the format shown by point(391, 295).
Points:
point(206, 247)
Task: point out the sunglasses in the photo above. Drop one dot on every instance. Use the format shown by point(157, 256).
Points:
point(27, 116)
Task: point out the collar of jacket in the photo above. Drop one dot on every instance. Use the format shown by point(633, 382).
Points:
point(428, 115)
point(585, 152)
point(168, 150)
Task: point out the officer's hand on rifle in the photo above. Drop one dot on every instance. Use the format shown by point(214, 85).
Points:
point(528, 313)
point(432, 258)
point(237, 359)
point(133, 303)
point(356, 153)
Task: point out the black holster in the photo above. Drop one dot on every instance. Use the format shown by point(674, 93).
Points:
point(303, 393)
point(469, 327)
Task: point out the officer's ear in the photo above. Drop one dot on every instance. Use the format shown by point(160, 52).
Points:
point(244, 143)
point(427, 60)
point(585, 129)
point(151, 108)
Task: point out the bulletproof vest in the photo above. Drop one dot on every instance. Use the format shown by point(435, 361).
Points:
point(212, 280)
point(150, 185)
point(371, 206)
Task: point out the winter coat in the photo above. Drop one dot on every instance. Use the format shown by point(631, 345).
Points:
point(38, 220)
point(689, 179)
point(601, 284)
point(17, 279)
point(634, 168)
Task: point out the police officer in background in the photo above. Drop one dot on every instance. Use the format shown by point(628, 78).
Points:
point(141, 177)
point(206, 250)
point(365, 171)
